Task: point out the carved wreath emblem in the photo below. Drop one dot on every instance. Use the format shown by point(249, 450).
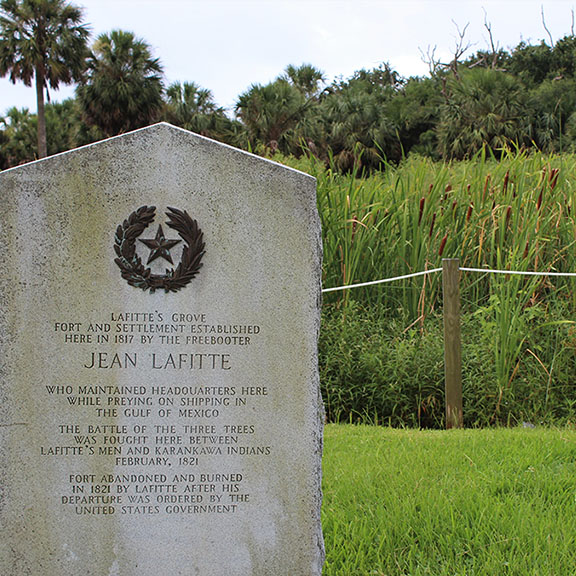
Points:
point(130, 264)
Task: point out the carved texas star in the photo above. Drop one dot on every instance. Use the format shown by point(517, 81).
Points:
point(160, 247)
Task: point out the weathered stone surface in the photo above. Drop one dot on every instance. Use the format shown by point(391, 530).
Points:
point(159, 433)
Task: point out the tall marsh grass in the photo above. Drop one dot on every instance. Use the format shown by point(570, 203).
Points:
point(515, 213)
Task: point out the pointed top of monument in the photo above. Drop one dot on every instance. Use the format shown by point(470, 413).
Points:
point(162, 134)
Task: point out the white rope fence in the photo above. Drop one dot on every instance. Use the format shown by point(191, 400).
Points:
point(432, 271)
point(382, 281)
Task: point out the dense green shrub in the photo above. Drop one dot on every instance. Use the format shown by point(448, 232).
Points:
point(372, 370)
point(377, 368)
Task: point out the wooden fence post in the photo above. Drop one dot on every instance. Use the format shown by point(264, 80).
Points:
point(452, 342)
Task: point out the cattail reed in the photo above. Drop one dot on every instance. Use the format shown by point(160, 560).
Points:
point(486, 187)
point(442, 244)
point(553, 178)
point(432, 225)
point(354, 225)
point(385, 225)
point(421, 212)
point(400, 220)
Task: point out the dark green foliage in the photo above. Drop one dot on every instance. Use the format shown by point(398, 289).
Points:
point(415, 110)
point(122, 88)
point(193, 108)
point(376, 368)
point(306, 78)
point(275, 115)
point(43, 40)
point(357, 129)
point(564, 58)
point(553, 104)
point(18, 132)
point(534, 64)
point(485, 108)
point(497, 60)
point(372, 370)
point(65, 128)
point(489, 103)
point(271, 114)
point(41, 36)
point(531, 64)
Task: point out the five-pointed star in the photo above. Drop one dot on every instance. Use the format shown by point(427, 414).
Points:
point(160, 247)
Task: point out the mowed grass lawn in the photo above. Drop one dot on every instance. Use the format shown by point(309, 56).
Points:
point(485, 502)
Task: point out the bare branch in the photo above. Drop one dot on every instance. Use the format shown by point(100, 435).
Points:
point(480, 62)
point(459, 49)
point(435, 65)
point(545, 28)
point(430, 59)
point(488, 26)
point(572, 26)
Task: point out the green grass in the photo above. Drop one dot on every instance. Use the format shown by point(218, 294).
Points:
point(459, 503)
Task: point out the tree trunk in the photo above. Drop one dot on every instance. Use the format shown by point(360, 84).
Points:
point(42, 147)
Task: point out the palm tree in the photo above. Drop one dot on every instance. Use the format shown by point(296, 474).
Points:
point(271, 114)
point(359, 133)
point(122, 88)
point(358, 130)
point(193, 108)
point(269, 110)
point(190, 107)
point(307, 78)
point(485, 109)
point(42, 40)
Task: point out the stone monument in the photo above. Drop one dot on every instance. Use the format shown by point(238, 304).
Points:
point(159, 401)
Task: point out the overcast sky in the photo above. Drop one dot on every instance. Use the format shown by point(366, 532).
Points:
point(227, 45)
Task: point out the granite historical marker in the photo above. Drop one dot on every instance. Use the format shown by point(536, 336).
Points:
point(159, 400)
